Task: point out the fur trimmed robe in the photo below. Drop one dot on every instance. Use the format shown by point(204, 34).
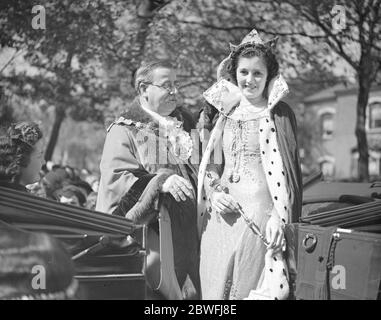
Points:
point(280, 161)
point(132, 173)
point(278, 132)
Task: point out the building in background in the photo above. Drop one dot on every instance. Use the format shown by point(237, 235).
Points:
point(330, 144)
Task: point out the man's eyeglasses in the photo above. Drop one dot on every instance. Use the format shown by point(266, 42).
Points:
point(171, 89)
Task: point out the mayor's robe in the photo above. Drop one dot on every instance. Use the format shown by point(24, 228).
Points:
point(136, 161)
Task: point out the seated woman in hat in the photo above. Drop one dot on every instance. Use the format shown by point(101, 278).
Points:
point(254, 178)
point(21, 155)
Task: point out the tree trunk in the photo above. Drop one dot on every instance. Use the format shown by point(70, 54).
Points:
point(362, 142)
point(58, 119)
point(60, 114)
point(145, 13)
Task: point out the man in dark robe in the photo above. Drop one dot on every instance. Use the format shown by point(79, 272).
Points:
point(147, 176)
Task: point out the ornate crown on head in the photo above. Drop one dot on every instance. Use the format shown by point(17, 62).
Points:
point(250, 40)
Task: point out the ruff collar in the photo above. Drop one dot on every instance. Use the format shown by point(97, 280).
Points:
point(175, 127)
point(226, 96)
point(136, 113)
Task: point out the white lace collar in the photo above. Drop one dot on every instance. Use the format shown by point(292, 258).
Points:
point(225, 96)
point(163, 121)
point(278, 89)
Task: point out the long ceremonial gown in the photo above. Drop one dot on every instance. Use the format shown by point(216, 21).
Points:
point(232, 257)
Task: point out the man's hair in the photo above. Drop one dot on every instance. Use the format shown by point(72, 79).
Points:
point(261, 51)
point(70, 191)
point(16, 146)
point(144, 73)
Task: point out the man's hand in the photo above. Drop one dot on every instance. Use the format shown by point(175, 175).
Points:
point(178, 187)
point(223, 203)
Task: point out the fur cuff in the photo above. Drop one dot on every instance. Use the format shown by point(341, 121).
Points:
point(140, 203)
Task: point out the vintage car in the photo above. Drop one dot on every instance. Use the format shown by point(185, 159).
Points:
point(109, 252)
point(345, 204)
point(336, 246)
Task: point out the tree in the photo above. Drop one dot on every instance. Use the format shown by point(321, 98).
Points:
point(88, 54)
point(134, 29)
point(352, 30)
point(85, 56)
point(315, 34)
point(66, 55)
point(6, 112)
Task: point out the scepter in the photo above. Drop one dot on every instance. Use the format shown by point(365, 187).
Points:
point(250, 223)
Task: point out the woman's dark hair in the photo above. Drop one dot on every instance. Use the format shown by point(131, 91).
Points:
point(16, 146)
point(257, 51)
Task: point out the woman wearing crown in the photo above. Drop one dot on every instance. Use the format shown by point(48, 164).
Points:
point(251, 166)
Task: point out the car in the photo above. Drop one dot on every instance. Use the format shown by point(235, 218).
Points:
point(334, 250)
point(346, 204)
point(109, 252)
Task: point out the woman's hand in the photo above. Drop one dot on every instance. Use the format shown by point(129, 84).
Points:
point(178, 187)
point(223, 203)
point(275, 233)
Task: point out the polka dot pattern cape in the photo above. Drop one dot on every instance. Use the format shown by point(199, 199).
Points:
point(225, 96)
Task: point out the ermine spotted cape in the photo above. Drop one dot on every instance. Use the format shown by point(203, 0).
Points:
point(281, 164)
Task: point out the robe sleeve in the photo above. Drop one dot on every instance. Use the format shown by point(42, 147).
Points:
point(214, 168)
point(119, 168)
point(140, 203)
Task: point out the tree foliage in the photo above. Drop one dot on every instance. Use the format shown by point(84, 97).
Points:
point(352, 29)
point(66, 55)
point(84, 61)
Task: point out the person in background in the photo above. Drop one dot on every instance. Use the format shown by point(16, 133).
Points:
point(21, 155)
point(91, 201)
point(93, 181)
point(21, 159)
point(54, 180)
point(72, 195)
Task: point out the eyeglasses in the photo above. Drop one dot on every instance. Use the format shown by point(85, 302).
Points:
point(171, 89)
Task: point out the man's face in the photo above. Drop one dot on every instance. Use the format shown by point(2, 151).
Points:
point(159, 99)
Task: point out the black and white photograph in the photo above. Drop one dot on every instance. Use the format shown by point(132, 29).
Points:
point(212, 151)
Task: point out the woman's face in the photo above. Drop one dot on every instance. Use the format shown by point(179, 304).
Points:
point(251, 77)
point(31, 173)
